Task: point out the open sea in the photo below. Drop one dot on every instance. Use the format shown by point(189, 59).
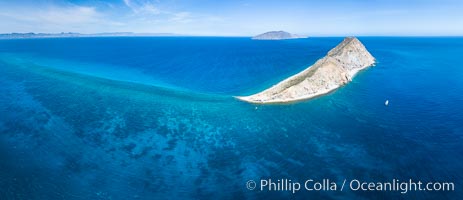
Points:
point(155, 118)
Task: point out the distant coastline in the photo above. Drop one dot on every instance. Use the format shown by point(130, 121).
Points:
point(72, 35)
point(277, 35)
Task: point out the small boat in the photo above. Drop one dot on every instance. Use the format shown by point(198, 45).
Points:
point(386, 103)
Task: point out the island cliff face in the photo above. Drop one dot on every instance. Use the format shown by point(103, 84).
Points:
point(276, 35)
point(337, 68)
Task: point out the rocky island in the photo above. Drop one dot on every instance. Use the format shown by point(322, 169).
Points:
point(337, 68)
point(277, 35)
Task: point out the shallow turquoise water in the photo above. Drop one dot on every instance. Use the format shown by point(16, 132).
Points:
point(154, 118)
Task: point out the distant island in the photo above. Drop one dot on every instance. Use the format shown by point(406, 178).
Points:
point(70, 34)
point(337, 68)
point(277, 35)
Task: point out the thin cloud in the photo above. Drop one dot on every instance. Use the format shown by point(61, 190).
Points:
point(50, 18)
point(148, 11)
point(182, 17)
point(55, 15)
point(143, 7)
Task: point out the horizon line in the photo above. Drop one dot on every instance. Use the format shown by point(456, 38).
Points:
point(168, 34)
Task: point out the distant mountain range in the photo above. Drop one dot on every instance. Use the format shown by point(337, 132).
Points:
point(70, 34)
point(277, 35)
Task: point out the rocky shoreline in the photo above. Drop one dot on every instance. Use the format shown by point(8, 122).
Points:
point(337, 68)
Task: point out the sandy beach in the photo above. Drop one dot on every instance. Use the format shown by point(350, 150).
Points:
point(334, 70)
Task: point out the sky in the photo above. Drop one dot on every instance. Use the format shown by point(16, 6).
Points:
point(236, 17)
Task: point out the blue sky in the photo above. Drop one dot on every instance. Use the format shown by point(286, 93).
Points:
point(235, 18)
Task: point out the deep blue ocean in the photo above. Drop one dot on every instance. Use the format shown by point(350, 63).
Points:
point(155, 118)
